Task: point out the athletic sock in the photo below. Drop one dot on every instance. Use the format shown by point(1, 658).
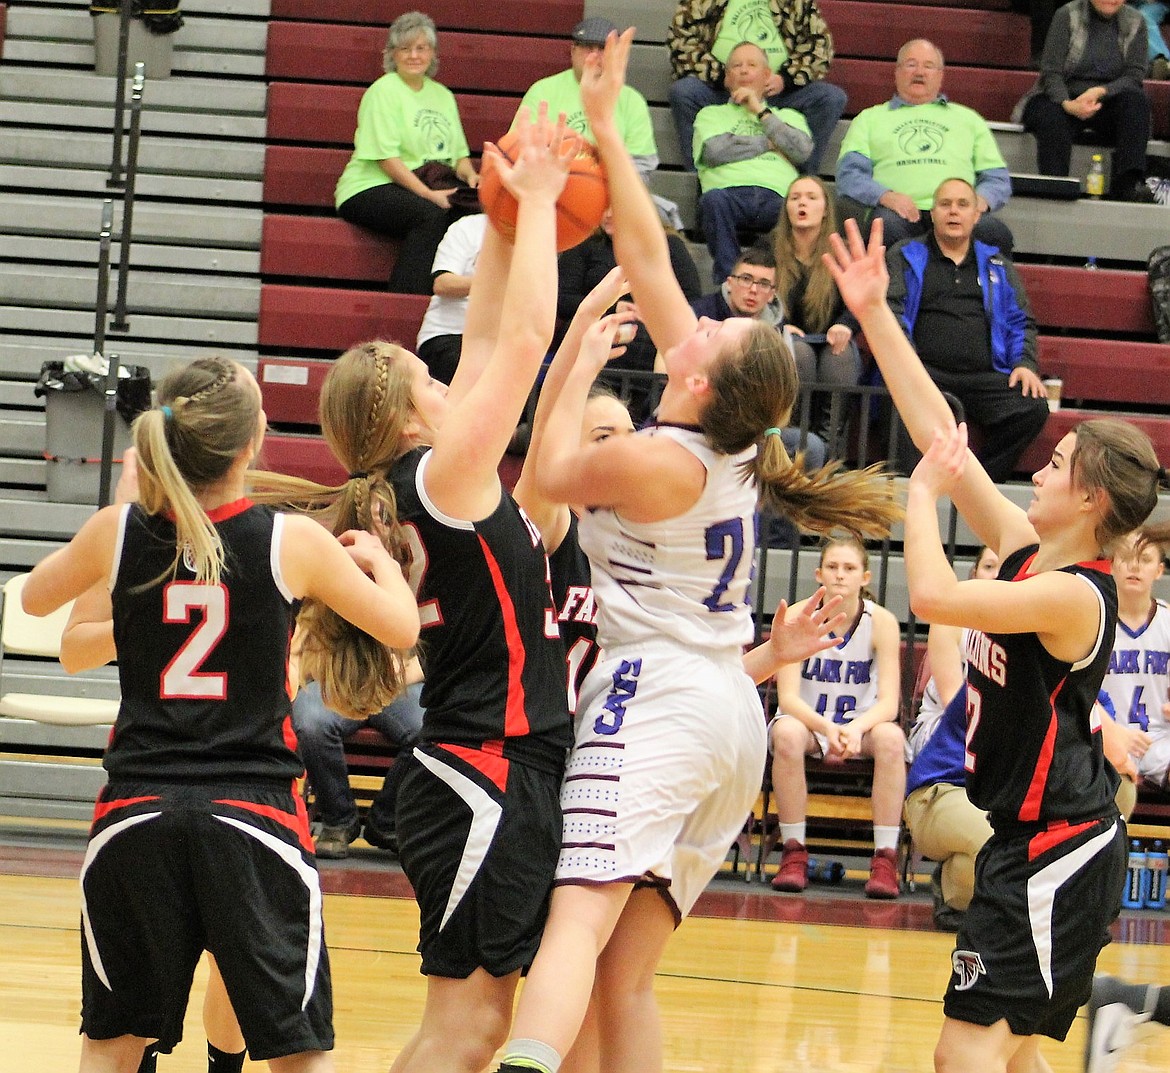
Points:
point(885, 837)
point(790, 831)
point(149, 1060)
point(530, 1054)
point(224, 1061)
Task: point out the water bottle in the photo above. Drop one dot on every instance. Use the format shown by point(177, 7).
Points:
point(1156, 865)
point(1095, 180)
point(1136, 878)
point(826, 871)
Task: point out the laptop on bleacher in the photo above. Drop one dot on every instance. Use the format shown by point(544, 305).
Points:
point(1057, 187)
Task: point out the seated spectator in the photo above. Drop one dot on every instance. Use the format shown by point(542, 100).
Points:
point(321, 735)
point(747, 156)
point(945, 826)
point(405, 121)
point(440, 336)
point(563, 93)
point(895, 155)
point(840, 705)
point(1090, 85)
point(963, 306)
point(821, 328)
point(750, 291)
point(799, 46)
point(1154, 12)
point(584, 266)
point(1136, 688)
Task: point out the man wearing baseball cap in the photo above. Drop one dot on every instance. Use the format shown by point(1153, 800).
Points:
point(563, 94)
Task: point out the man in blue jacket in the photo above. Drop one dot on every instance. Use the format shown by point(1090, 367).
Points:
point(963, 306)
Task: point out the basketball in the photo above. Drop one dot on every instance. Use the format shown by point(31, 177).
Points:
point(579, 208)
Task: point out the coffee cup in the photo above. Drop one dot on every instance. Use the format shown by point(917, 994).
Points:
point(1053, 386)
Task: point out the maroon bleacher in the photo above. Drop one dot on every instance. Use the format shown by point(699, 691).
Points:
point(302, 175)
point(554, 17)
point(1109, 370)
point(316, 52)
point(332, 319)
point(323, 247)
point(878, 30)
point(1065, 296)
point(305, 456)
point(291, 387)
point(3, 26)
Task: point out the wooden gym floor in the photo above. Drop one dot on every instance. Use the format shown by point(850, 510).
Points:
point(755, 982)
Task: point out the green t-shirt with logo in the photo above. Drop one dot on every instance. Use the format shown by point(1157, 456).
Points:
point(750, 20)
point(563, 93)
point(917, 146)
point(771, 170)
point(395, 121)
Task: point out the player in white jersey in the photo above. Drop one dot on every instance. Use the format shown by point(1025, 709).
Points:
point(841, 704)
point(1136, 689)
point(670, 747)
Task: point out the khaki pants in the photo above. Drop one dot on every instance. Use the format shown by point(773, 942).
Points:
point(946, 827)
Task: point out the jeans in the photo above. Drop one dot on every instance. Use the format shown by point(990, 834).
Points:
point(321, 735)
point(820, 103)
point(722, 212)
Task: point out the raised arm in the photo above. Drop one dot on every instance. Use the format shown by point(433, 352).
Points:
point(639, 241)
point(861, 277)
point(461, 476)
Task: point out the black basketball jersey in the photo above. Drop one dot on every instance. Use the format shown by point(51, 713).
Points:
point(1034, 750)
point(203, 668)
point(493, 657)
point(576, 611)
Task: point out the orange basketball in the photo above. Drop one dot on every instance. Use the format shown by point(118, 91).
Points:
point(579, 208)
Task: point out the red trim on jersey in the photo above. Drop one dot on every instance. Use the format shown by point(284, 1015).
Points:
point(515, 717)
point(488, 762)
point(1030, 810)
point(1102, 566)
point(296, 822)
point(222, 512)
point(103, 808)
point(1058, 831)
point(289, 734)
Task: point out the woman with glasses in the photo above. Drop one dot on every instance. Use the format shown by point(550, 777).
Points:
point(406, 120)
point(822, 329)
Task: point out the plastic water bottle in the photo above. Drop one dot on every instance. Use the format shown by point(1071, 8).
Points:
point(826, 871)
point(1157, 861)
point(1136, 878)
point(1095, 180)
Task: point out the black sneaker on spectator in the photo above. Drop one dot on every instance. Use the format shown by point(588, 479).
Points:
point(387, 840)
point(332, 843)
point(946, 917)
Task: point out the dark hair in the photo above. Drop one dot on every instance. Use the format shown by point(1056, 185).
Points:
point(208, 413)
point(364, 406)
point(752, 390)
point(760, 256)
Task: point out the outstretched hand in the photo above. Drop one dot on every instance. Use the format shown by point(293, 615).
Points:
point(941, 468)
point(602, 342)
point(606, 293)
point(801, 634)
point(859, 270)
point(543, 156)
point(604, 76)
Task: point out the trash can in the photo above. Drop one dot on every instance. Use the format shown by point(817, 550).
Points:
point(74, 419)
point(152, 30)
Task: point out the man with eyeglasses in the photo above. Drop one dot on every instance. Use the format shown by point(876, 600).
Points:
point(895, 155)
point(750, 291)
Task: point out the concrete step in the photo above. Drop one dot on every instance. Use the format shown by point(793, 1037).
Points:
point(142, 255)
point(178, 331)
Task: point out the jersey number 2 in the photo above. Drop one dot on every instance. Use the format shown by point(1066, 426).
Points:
point(724, 541)
point(181, 679)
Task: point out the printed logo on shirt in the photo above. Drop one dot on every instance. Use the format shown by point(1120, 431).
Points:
point(435, 129)
point(968, 967)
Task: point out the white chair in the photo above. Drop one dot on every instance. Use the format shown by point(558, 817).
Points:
point(25, 635)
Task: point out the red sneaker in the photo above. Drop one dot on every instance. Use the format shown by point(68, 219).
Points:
point(793, 874)
point(883, 875)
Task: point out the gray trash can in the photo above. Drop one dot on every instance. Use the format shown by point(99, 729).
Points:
point(74, 419)
point(153, 50)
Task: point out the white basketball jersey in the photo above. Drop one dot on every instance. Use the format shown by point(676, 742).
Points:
point(842, 681)
point(687, 577)
point(1138, 680)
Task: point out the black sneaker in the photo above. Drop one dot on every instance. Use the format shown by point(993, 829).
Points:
point(332, 842)
point(946, 917)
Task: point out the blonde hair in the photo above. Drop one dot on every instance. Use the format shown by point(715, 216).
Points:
point(364, 406)
point(848, 540)
point(820, 296)
point(753, 388)
point(208, 413)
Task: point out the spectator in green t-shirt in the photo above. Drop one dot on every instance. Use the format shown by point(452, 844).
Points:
point(747, 156)
point(563, 93)
point(895, 155)
point(405, 120)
